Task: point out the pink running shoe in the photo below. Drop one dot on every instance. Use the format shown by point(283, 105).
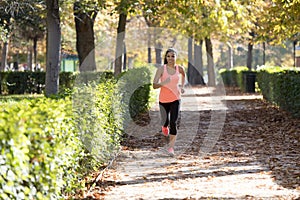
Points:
point(171, 151)
point(165, 130)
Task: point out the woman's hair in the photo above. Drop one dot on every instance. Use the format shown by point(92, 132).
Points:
point(169, 50)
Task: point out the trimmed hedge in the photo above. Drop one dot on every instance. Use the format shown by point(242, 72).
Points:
point(135, 86)
point(232, 77)
point(281, 87)
point(29, 82)
point(236, 77)
point(49, 145)
point(39, 149)
point(98, 122)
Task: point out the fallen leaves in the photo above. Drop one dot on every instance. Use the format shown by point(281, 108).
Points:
point(258, 141)
point(274, 140)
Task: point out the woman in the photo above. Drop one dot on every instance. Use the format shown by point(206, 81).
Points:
point(167, 78)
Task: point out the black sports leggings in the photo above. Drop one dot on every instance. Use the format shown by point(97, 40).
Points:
point(169, 115)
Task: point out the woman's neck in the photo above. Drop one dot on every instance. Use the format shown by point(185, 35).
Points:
point(171, 65)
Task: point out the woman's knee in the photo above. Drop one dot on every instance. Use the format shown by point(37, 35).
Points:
point(173, 128)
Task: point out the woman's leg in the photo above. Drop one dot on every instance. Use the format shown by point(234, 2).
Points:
point(174, 112)
point(164, 113)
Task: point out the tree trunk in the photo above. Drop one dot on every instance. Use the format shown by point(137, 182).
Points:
point(210, 63)
point(230, 56)
point(264, 53)
point(198, 65)
point(3, 61)
point(249, 56)
point(158, 56)
point(201, 58)
point(85, 39)
point(195, 67)
point(124, 57)
point(190, 61)
point(149, 47)
point(250, 51)
point(120, 42)
point(53, 47)
point(4, 56)
point(296, 54)
point(35, 51)
point(29, 58)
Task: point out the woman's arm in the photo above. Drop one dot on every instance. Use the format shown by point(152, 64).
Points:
point(182, 72)
point(158, 74)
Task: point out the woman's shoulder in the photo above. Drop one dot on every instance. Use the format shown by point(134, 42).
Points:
point(180, 68)
point(161, 68)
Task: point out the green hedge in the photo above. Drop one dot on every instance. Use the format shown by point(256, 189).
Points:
point(98, 122)
point(236, 77)
point(39, 149)
point(233, 77)
point(281, 87)
point(135, 87)
point(32, 82)
point(49, 145)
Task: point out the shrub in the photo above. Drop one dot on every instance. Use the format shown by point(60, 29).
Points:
point(39, 149)
point(49, 145)
point(233, 77)
point(281, 86)
point(134, 86)
point(29, 82)
point(97, 119)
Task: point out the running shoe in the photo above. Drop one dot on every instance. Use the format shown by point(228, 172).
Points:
point(171, 151)
point(165, 130)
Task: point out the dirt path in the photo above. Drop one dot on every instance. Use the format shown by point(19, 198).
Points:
point(228, 147)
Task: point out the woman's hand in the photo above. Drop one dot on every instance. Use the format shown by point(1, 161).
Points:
point(182, 90)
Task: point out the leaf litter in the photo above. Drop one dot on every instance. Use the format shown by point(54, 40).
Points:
point(257, 156)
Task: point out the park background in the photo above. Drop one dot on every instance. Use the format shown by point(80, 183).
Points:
point(48, 142)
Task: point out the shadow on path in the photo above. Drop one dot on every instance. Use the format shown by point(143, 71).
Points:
point(256, 156)
point(266, 132)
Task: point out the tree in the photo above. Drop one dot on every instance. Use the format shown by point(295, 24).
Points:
point(203, 20)
point(152, 12)
point(210, 62)
point(85, 13)
point(253, 10)
point(279, 21)
point(123, 8)
point(24, 16)
point(7, 11)
point(120, 42)
point(230, 56)
point(53, 47)
point(32, 25)
point(161, 14)
point(195, 15)
point(198, 64)
point(11, 12)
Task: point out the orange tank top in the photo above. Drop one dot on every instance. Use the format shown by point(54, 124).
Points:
point(170, 92)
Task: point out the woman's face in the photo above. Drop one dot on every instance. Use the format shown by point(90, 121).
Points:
point(171, 57)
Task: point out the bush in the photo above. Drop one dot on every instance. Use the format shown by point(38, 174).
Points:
point(22, 82)
point(39, 149)
point(66, 81)
point(281, 86)
point(29, 82)
point(98, 120)
point(49, 145)
point(239, 77)
point(134, 86)
point(233, 77)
